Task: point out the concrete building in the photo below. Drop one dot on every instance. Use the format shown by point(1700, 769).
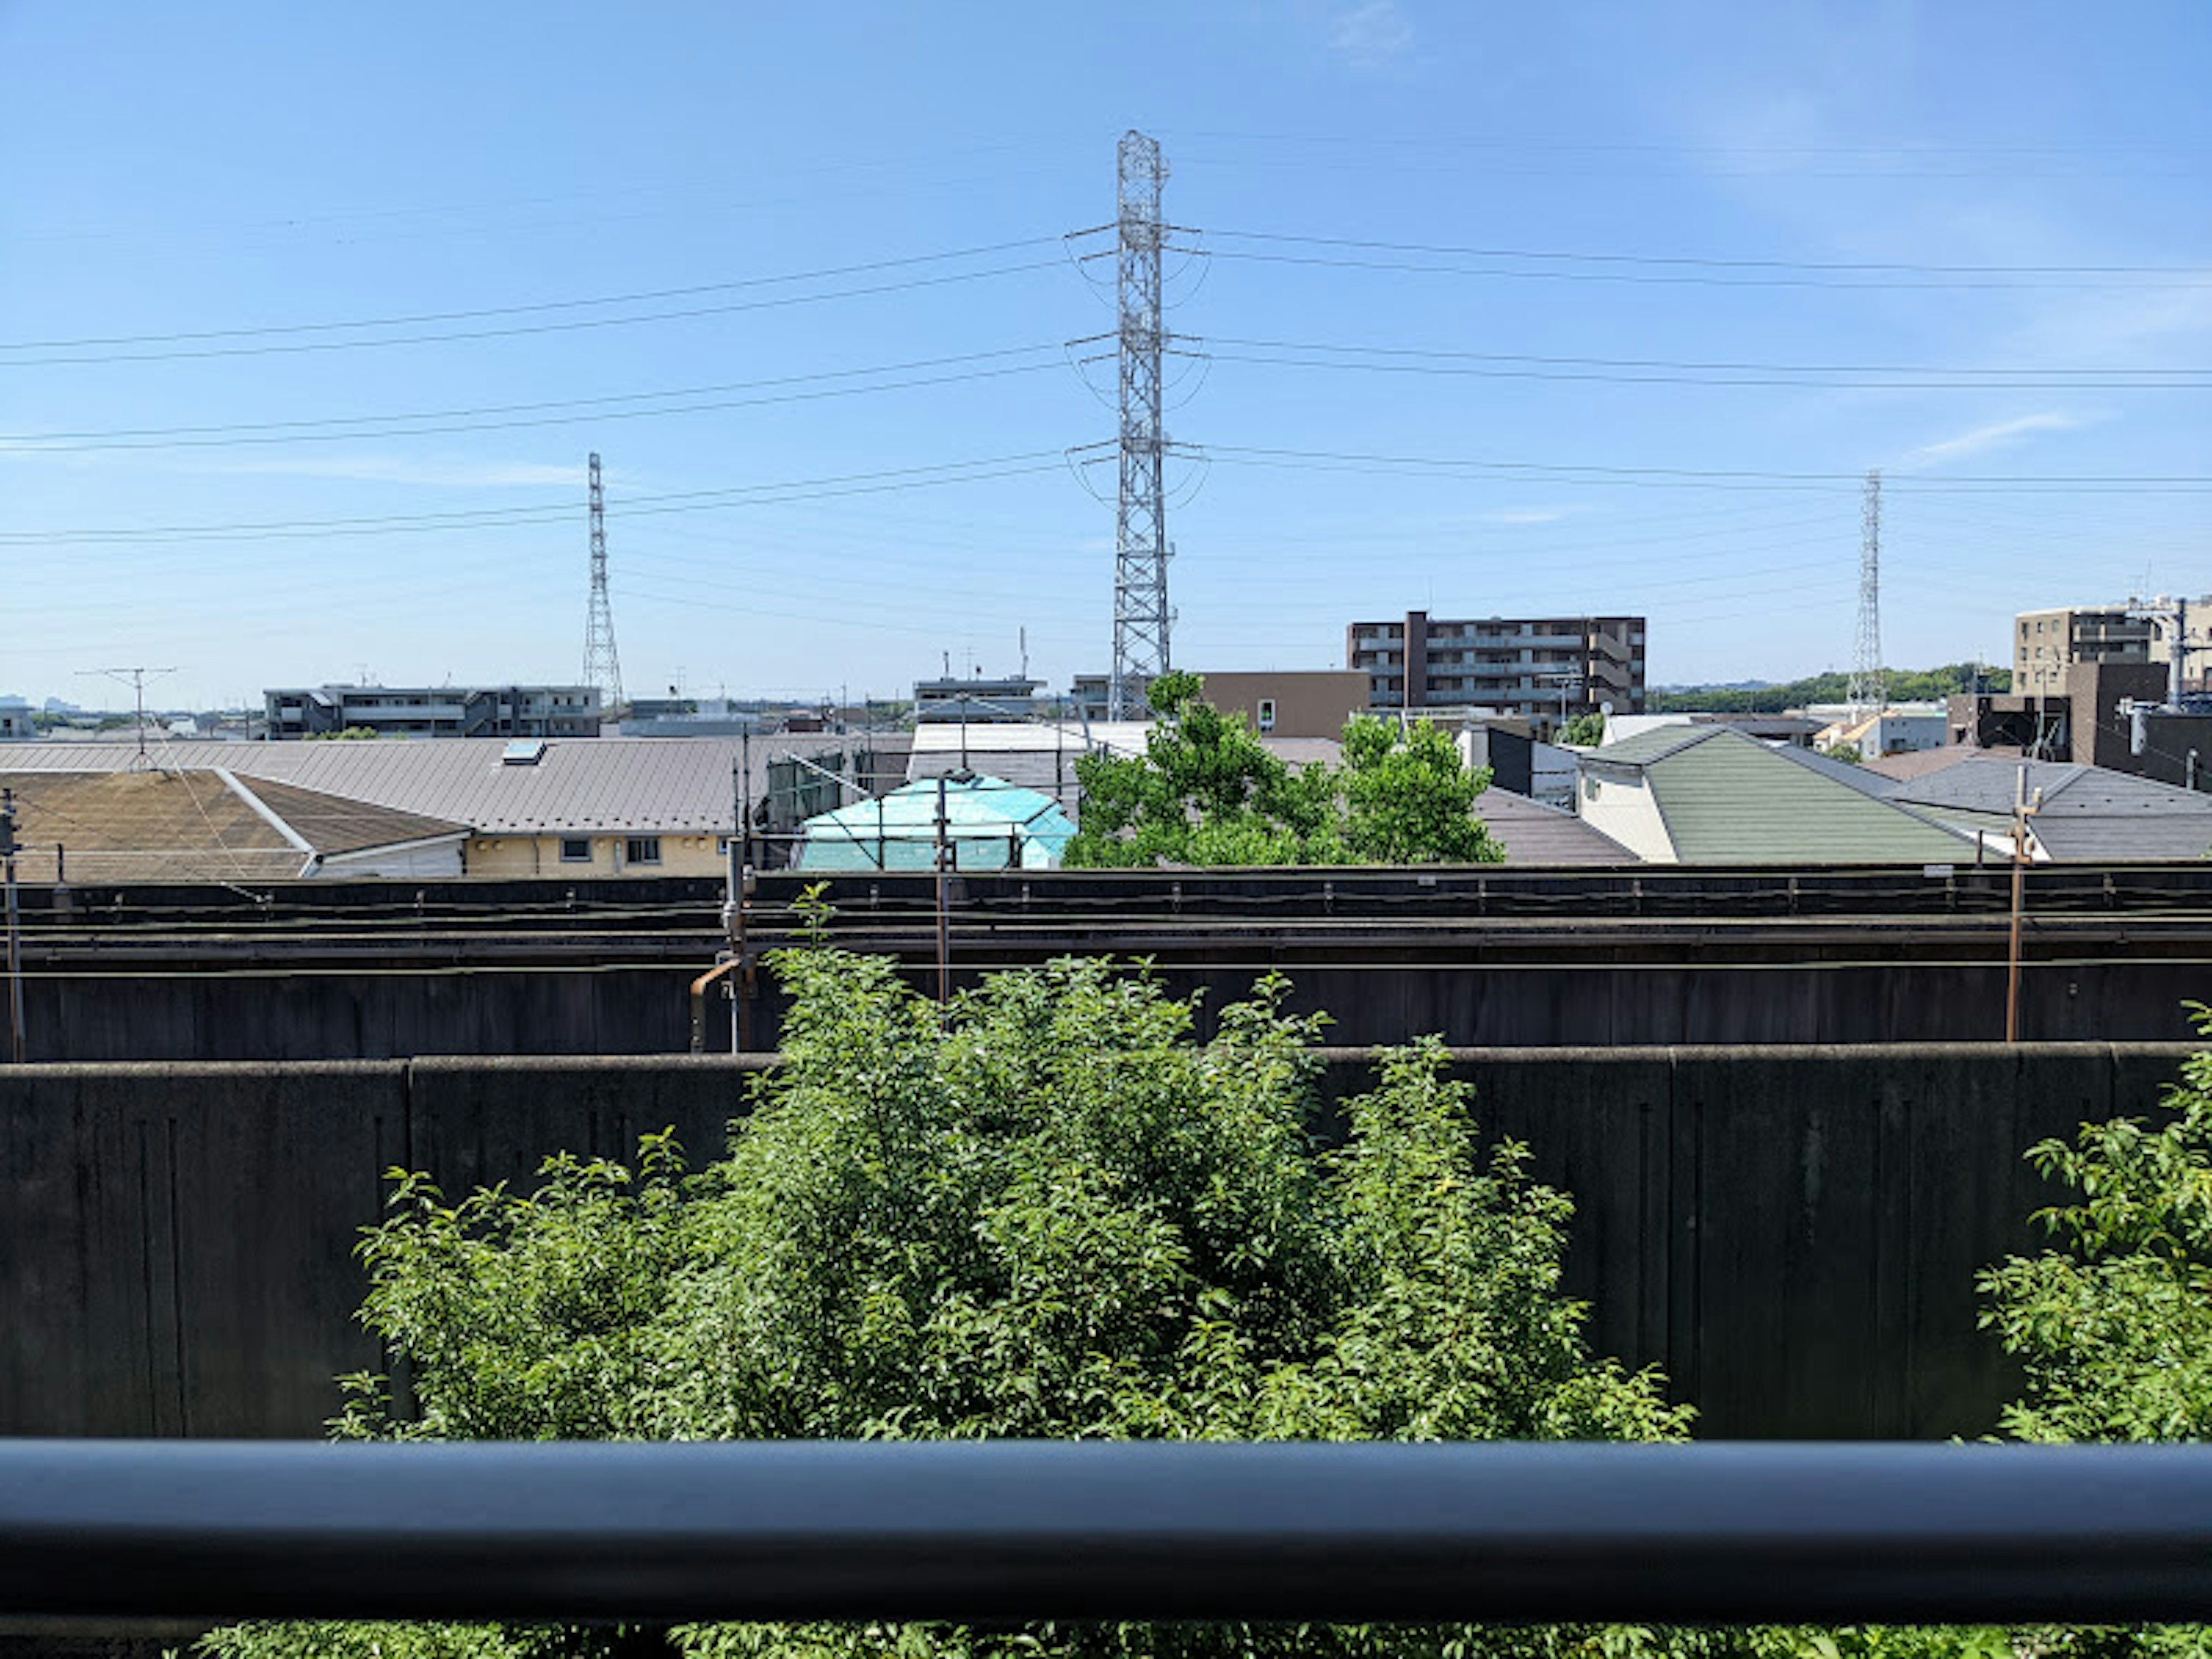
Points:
point(2045, 643)
point(689, 717)
point(1521, 764)
point(2106, 714)
point(1294, 703)
point(1000, 697)
point(15, 721)
point(440, 711)
point(1547, 670)
point(1899, 728)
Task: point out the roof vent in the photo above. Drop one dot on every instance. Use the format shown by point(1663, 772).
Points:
point(523, 751)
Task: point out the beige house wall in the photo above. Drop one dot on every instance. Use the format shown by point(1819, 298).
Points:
point(1309, 703)
point(1629, 812)
point(515, 856)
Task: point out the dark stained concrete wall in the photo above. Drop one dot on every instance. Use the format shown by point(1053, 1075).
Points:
point(1792, 1234)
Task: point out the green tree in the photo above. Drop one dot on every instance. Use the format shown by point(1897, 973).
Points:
point(2114, 1323)
point(1049, 1212)
point(1409, 797)
point(1585, 731)
point(1207, 791)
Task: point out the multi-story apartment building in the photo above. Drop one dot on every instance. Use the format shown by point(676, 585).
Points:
point(440, 711)
point(1543, 669)
point(2045, 643)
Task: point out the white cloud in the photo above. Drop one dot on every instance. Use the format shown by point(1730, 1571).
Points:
point(1528, 515)
point(1372, 35)
point(1997, 435)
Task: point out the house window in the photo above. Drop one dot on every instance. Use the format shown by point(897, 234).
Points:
point(575, 849)
point(641, 849)
point(1266, 714)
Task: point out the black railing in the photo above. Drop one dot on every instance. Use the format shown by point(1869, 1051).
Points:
point(1014, 1531)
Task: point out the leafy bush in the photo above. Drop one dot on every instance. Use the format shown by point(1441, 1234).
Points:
point(1051, 1212)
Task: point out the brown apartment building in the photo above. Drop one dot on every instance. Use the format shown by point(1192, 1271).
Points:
point(1534, 667)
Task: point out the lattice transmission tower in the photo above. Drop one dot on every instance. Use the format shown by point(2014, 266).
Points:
point(602, 666)
point(1868, 694)
point(1141, 616)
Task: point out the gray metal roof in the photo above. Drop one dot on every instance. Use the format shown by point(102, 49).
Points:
point(1533, 834)
point(664, 785)
point(2088, 812)
point(1985, 783)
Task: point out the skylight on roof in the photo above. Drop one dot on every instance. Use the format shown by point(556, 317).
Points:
point(523, 751)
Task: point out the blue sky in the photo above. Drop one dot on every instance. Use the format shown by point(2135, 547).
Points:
point(195, 191)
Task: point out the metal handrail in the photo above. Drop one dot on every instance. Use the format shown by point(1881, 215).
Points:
point(1020, 1530)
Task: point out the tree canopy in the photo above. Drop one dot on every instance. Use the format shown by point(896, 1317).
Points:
point(1207, 791)
point(1902, 684)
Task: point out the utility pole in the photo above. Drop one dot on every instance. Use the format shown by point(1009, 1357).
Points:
point(602, 666)
point(1140, 543)
point(2172, 616)
point(135, 678)
point(2023, 809)
point(1868, 694)
point(944, 912)
point(8, 848)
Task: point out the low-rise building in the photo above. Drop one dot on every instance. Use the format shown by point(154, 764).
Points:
point(1293, 703)
point(15, 725)
point(2047, 643)
point(976, 699)
point(612, 806)
point(1692, 794)
point(440, 711)
point(208, 825)
point(2084, 813)
point(1546, 670)
point(1896, 728)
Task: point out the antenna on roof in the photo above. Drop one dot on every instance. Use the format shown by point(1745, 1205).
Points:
point(135, 679)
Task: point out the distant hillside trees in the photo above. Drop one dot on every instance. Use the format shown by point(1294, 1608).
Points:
point(1906, 685)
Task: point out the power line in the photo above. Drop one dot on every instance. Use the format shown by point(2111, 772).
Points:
point(1635, 371)
point(417, 319)
point(1707, 263)
point(1694, 278)
point(1590, 472)
point(1034, 460)
point(339, 428)
point(519, 329)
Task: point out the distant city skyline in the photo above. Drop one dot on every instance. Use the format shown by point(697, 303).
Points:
point(314, 316)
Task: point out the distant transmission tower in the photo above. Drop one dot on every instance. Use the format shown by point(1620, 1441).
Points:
point(602, 667)
point(1867, 693)
point(1140, 530)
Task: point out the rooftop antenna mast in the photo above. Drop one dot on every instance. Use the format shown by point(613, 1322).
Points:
point(1141, 543)
point(602, 667)
point(135, 679)
point(1868, 694)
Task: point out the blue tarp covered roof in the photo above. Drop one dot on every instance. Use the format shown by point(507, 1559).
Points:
point(990, 824)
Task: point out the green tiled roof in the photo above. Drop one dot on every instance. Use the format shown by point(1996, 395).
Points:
point(1727, 799)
